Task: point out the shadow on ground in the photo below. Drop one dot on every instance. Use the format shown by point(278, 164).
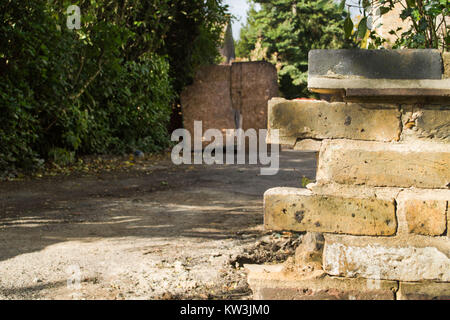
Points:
point(211, 202)
point(206, 204)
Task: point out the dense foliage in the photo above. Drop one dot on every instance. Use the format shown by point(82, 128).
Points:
point(284, 31)
point(107, 87)
point(428, 23)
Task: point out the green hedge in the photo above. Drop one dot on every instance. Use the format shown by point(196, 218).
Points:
point(109, 87)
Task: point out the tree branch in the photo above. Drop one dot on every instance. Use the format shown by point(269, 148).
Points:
point(89, 81)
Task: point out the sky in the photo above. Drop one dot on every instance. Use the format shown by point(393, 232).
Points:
point(239, 9)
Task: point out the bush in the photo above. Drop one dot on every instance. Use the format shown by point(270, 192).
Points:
point(133, 109)
point(66, 93)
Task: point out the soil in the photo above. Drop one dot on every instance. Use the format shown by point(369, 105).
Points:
point(156, 231)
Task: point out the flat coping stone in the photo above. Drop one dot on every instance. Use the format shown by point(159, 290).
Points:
point(376, 64)
point(381, 87)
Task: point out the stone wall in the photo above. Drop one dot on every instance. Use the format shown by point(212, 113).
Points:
point(209, 99)
point(253, 84)
point(230, 96)
point(381, 198)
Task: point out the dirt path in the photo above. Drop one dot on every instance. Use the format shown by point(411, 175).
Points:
point(156, 233)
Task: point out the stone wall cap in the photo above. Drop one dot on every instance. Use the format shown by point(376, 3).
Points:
point(376, 64)
point(352, 87)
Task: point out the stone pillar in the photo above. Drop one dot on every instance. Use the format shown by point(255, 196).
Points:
point(382, 191)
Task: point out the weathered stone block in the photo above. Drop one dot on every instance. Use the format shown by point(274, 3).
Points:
point(446, 60)
point(397, 91)
point(378, 87)
point(300, 210)
point(308, 145)
point(433, 224)
point(288, 142)
point(426, 122)
point(400, 258)
point(423, 291)
point(420, 164)
point(309, 252)
point(322, 120)
point(376, 64)
point(353, 191)
point(383, 90)
point(423, 211)
point(271, 283)
point(410, 76)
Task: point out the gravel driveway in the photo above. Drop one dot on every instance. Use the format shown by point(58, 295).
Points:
point(159, 231)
